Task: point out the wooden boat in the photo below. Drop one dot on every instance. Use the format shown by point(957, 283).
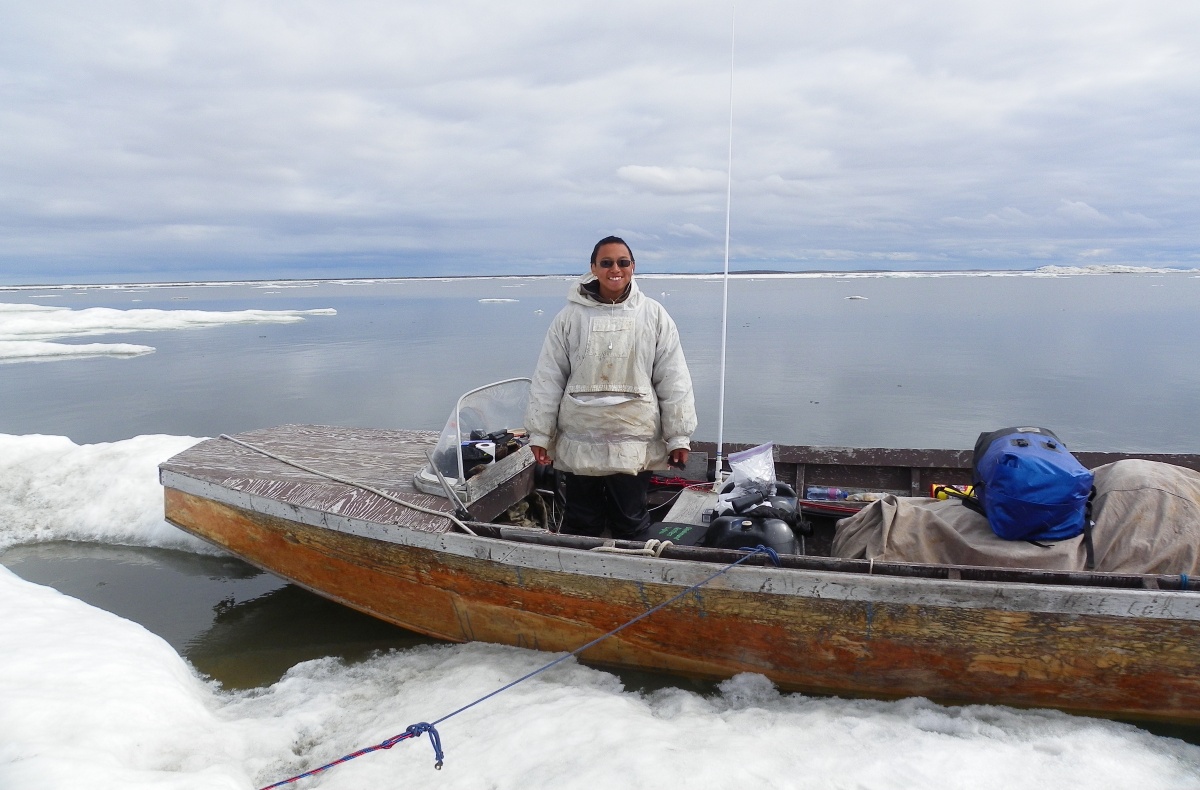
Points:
point(1104, 644)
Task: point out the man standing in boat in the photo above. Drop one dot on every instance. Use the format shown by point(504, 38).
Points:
point(611, 398)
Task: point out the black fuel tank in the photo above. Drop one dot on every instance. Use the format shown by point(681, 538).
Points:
point(743, 532)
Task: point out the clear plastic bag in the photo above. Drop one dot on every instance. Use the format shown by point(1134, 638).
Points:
point(753, 471)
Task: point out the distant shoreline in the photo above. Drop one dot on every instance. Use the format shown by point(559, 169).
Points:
point(1045, 271)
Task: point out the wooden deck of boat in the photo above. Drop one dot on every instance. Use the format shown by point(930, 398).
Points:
point(382, 459)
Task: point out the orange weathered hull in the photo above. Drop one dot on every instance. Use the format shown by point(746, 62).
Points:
point(1113, 652)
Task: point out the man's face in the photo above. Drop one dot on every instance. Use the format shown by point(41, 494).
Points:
point(614, 278)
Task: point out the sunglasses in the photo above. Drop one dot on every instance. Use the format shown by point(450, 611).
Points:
point(624, 263)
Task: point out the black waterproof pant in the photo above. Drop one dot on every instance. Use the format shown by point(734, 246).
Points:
point(616, 502)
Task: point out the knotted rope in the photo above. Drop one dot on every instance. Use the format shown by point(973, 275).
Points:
point(653, 548)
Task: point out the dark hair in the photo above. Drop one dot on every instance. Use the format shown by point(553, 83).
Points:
point(610, 240)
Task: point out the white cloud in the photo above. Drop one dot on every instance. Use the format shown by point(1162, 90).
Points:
point(1139, 220)
point(672, 180)
point(690, 229)
point(1078, 211)
point(1007, 217)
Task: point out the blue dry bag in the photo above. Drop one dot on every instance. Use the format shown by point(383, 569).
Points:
point(1029, 486)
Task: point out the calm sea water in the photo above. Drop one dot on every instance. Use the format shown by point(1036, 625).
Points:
point(1107, 361)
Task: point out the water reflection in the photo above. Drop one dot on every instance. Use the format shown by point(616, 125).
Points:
point(253, 643)
point(235, 623)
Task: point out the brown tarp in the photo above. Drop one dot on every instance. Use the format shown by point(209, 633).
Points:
point(1147, 518)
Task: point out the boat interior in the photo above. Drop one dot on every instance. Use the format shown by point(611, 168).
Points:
point(896, 510)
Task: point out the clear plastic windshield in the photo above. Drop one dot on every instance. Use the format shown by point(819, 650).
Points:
point(488, 411)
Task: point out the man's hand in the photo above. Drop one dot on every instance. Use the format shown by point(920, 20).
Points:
point(678, 458)
point(540, 455)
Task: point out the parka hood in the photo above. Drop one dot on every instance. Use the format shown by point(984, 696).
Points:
point(583, 292)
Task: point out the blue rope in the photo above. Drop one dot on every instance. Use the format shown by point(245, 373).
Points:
point(415, 730)
point(1183, 581)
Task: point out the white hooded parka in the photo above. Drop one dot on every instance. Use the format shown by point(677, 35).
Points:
point(612, 392)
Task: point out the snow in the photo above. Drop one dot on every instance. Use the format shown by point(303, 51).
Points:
point(28, 331)
point(54, 489)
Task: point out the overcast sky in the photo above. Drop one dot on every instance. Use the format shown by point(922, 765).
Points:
point(173, 139)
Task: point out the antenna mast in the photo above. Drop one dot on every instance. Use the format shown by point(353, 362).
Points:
point(725, 290)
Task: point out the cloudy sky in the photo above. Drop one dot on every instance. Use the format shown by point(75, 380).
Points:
point(152, 140)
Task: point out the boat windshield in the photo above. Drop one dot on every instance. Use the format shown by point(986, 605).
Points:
point(478, 419)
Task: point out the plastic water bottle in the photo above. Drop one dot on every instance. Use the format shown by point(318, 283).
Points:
point(825, 492)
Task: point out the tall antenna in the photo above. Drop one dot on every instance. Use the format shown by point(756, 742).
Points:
point(725, 288)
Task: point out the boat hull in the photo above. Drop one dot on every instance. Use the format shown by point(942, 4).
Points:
point(1118, 653)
